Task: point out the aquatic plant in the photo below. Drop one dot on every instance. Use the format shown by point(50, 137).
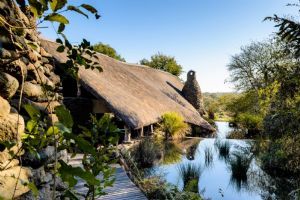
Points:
point(190, 174)
point(239, 165)
point(146, 153)
point(223, 148)
point(208, 157)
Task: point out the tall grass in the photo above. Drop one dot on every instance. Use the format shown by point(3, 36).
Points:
point(146, 153)
point(190, 174)
point(208, 157)
point(239, 165)
point(223, 148)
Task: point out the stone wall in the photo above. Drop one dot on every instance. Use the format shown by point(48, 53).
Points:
point(192, 92)
point(26, 69)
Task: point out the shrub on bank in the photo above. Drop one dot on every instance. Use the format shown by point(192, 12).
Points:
point(283, 156)
point(155, 188)
point(173, 125)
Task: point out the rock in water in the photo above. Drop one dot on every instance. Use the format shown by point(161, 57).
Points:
point(192, 92)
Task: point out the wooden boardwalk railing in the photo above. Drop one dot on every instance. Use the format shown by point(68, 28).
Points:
point(122, 189)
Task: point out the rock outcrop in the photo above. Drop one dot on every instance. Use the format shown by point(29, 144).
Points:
point(26, 69)
point(192, 92)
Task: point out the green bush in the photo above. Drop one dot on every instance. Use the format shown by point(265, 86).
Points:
point(155, 188)
point(283, 156)
point(236, 134)
point(249, 121)
point(173, 125)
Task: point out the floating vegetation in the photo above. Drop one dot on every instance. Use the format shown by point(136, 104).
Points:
point(190, 174)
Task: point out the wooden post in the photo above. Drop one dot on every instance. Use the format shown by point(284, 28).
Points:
point(127, 137)
point(142, 132)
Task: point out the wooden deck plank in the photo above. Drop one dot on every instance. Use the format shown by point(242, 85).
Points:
point(122, 189)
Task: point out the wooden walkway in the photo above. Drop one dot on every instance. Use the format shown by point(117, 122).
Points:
point(122, 189)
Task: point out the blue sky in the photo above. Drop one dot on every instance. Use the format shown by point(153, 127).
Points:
point(201, 34)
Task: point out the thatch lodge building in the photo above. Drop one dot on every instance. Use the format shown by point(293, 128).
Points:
point(137, 95)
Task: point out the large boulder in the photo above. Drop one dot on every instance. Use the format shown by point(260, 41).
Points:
point(11, 127)
point(4, 108)
point(9, 179)
point(8, 85)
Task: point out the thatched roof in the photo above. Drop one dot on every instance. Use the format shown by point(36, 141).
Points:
point(138, 94)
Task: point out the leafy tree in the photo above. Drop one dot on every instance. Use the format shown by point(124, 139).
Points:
point(107, 50)
point(163, 62)
point(257, 65)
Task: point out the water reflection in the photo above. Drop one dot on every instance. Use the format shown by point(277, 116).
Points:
point(223, 148)
point(230, 169)
point(209, 157)
point(191, 151)
point(171, 153)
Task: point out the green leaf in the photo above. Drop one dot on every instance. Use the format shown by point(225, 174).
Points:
point(33, 189)
point(58, 40)
point(32, 111)
point(73, 8)
point(97, 16)
point(53, 130)
point(45, 4)
point(55, 17)
point(64, 116)
point(60, 48)
point(30, 125)
point(36, 8)
point(89, 8)
point(68, 174)
point(61, 27)
point(84, 145)
point(57, 4)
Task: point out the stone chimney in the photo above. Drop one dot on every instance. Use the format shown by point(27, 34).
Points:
point(192, 92)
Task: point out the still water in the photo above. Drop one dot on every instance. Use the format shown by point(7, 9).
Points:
point(221, 177)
